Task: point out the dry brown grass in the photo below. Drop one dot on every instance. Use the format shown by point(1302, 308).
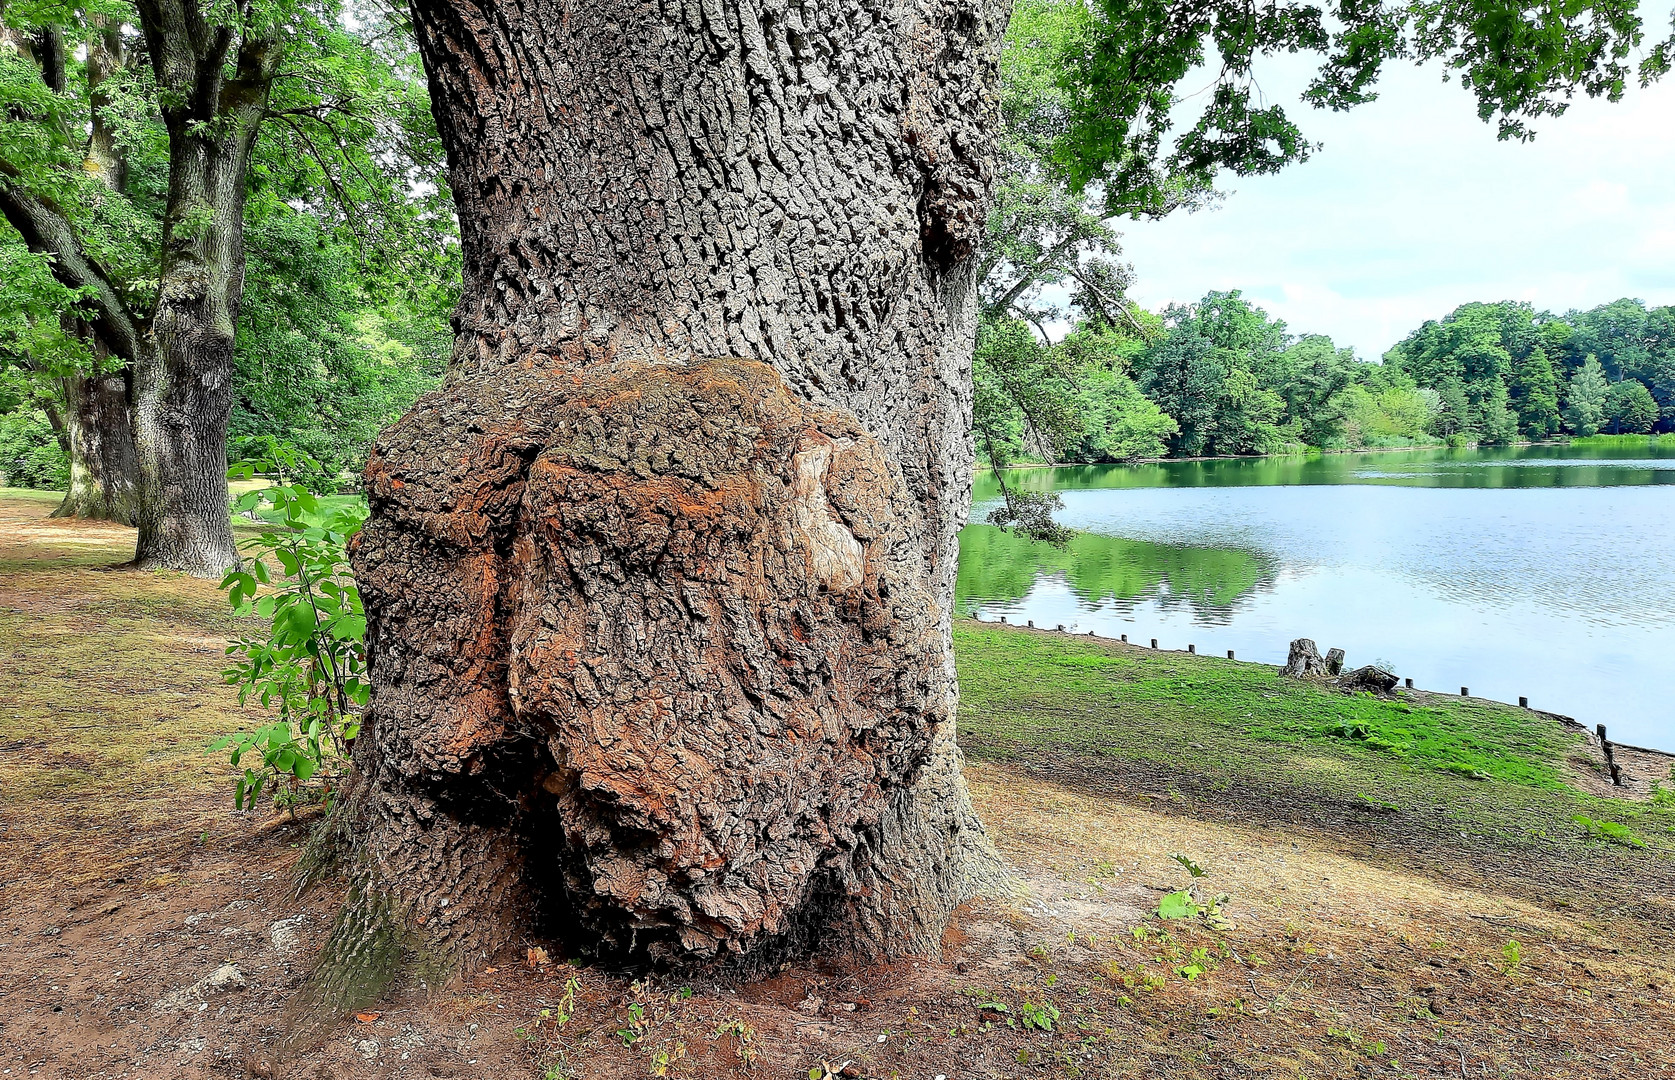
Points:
point(125, 874)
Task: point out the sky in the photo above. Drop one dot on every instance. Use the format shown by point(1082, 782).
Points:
point(1413, 207)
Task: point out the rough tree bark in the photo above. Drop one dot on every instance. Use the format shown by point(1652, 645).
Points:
point(98, 428)
point(659, 584)
point(215, 81)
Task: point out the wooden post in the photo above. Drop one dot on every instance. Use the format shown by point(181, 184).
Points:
point(1465, 692)
point(1229, 654)
point(1610, 757)
point(1523, 702)
point(1192, 649)
point(1032, 624)
point(1125, 639)
point(1154, 643)
point(1409, 683)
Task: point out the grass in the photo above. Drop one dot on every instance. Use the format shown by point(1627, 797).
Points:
point(1626, 441)
point(1213, 725)
point(114, 690)
point(1009, 680)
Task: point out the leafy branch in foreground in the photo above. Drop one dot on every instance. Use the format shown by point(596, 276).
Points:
point(310, 666)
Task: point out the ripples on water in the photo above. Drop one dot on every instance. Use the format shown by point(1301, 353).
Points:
point(1536, 571)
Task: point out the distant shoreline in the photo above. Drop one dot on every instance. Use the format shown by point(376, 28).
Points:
point(1300, 453)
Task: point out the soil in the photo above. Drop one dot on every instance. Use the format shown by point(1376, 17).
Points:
point(1350, 944)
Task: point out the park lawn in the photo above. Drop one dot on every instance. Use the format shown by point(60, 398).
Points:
point(1233, 730)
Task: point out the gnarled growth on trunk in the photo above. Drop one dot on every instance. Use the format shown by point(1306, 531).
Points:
point(659, 584)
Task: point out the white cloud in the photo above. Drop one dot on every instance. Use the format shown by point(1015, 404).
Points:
point(1413, 207)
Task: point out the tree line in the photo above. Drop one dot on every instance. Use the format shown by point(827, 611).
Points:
point(1503, 372)
point(225, 223)
point(1222, 377)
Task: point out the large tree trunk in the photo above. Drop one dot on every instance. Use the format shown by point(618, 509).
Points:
point(659, 584)
point(183, 383)
point(183, 390)
point(99, 437)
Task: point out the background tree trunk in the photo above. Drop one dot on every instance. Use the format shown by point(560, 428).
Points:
point(183, 383)
point(96, 422)
point(99, 433)
point(659, 585)
point(98, 415)
point(107, 56)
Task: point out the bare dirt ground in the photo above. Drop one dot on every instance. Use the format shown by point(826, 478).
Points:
point(148, 930)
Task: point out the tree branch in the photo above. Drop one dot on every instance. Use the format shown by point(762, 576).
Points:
point(46, 230)
point(1029, 277)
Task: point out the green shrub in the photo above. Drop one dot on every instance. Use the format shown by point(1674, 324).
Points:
point(310, 665)
point(30, 456)
point(1614, 831)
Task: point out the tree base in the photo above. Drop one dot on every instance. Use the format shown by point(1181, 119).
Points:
point(660, 670)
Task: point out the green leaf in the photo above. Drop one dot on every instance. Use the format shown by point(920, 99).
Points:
point(1178, 905)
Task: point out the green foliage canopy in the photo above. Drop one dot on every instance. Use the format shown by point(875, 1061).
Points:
point(1505, 371)
point(352, 261)
point(1121, 64)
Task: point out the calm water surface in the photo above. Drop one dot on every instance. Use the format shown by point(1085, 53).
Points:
point(1547, 572)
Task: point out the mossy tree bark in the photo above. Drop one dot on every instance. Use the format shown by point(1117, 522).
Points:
point(98, 433)
point(216, 77)
point(659, 584)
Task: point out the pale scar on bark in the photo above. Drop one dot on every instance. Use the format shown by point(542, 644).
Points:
point(835, 558)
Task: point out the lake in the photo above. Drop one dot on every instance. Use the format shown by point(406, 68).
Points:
point(1543, 571)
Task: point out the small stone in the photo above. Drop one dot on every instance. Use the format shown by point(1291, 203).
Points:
point(368, 1048)
point(286, 934)
point(224, 978)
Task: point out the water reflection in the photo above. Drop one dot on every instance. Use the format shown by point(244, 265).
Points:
point(997, 567)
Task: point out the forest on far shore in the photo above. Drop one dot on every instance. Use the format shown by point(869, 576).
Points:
point(1222, 377)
